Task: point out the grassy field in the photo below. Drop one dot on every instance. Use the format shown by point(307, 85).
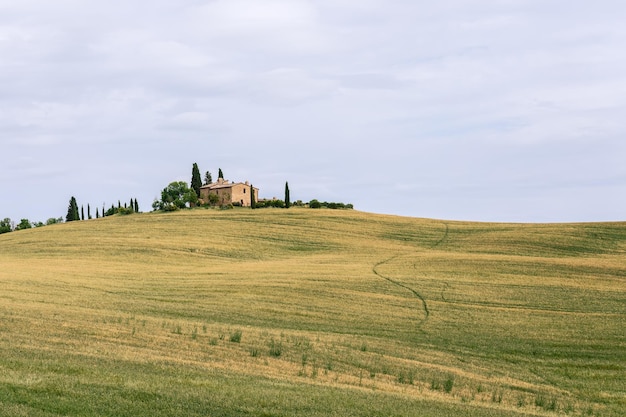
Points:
point(306, 312)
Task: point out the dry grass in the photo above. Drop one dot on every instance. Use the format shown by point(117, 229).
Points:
point(134, 315)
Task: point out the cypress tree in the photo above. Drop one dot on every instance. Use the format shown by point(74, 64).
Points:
point(220, 174)
point(88, 211)
point(207, 178)
point(97, 213)
point(82, 212)
point(252, 198)
point(136, 206)
point(196, 180)
point(72, 211)
point(287, 202)
point(119, 204)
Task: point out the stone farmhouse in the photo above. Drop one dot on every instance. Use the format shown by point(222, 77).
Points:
point(237, 193)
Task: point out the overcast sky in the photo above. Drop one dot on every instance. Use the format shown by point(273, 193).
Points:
point(490, 110)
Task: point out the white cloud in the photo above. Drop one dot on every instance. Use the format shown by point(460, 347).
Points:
point(289, 86)
point(249, 27)
point(455, 100)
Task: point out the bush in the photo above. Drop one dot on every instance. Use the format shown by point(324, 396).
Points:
point(213, 199)
point(170, 207)
point(276, 348)
point(6, 225)
point(408, 378)
point(435, 385)
point(273, 203)
point(24, 224)
point(235, 337)
point(332, 205)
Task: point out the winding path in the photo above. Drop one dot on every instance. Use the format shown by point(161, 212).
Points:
point(406, 287)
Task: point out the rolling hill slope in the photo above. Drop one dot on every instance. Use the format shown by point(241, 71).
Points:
point(312, 312)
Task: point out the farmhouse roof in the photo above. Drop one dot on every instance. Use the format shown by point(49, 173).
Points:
point(221, 183)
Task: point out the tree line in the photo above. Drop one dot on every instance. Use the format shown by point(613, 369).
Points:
point(177, 195)
point(73, 214)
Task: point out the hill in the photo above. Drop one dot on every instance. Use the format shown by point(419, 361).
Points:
point(306, 312)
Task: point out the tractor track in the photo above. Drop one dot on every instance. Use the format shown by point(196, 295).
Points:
point(443, 238)
point(425, 309)
point(406, 287)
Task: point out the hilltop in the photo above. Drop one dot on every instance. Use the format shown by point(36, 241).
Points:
point(311, 312)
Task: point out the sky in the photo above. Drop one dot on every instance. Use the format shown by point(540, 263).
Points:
point(484, 110)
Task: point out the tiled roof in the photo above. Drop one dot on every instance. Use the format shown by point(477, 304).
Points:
point(226, 184)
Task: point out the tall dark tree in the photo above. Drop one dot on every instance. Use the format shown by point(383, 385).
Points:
point(252, 198)
point(97, 213)
point(207, 178)
point(136, 206)
point(196, 180)
point(220, 174)
point(287, 201)
point(82, 212)
point(88, 211)
point(72, 211)
point(119, 204)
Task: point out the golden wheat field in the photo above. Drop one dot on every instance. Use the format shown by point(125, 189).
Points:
point(306, 312)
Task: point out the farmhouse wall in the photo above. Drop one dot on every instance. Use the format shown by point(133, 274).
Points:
point(229, 193)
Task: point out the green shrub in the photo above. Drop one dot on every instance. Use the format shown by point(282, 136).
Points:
point(496, 396)
point(330, 205)
point(235, 337)
point(276, 348)
point(275, 203)
point(408, 378)
point(213, 199)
